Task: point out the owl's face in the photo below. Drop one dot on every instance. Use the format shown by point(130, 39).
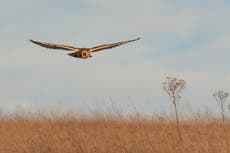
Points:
point(85, 54)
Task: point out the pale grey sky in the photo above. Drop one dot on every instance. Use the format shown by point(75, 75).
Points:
point(184, 39)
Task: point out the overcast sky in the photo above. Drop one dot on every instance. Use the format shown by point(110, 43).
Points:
point(184, 39)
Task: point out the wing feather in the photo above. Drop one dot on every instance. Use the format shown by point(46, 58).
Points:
point(108, 46)
point(55, 46)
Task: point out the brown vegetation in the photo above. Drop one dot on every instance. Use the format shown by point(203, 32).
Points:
point(109, 134)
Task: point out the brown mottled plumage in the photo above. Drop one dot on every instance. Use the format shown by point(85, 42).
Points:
point(83, 53)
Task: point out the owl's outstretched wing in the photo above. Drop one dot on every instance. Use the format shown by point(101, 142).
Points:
point(55, 46)
point(108, 46)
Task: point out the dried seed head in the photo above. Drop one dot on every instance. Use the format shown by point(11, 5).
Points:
point(173, 87)
point(220, 96)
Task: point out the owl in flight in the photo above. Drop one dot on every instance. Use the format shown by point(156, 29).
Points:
point(83, 53)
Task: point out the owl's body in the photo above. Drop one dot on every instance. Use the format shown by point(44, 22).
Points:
point(83, 53)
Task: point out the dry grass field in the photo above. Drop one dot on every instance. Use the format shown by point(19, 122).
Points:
point(110, 134)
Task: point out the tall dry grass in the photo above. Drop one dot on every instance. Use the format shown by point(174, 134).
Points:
point(109, 134)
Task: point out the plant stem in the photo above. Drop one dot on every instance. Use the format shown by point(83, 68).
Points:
point(222, 111)
point(177, 121)
point(223, 126)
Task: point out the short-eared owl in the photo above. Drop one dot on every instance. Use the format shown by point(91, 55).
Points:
point(83, 53)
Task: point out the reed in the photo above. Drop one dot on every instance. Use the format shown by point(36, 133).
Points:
point(173, 87)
